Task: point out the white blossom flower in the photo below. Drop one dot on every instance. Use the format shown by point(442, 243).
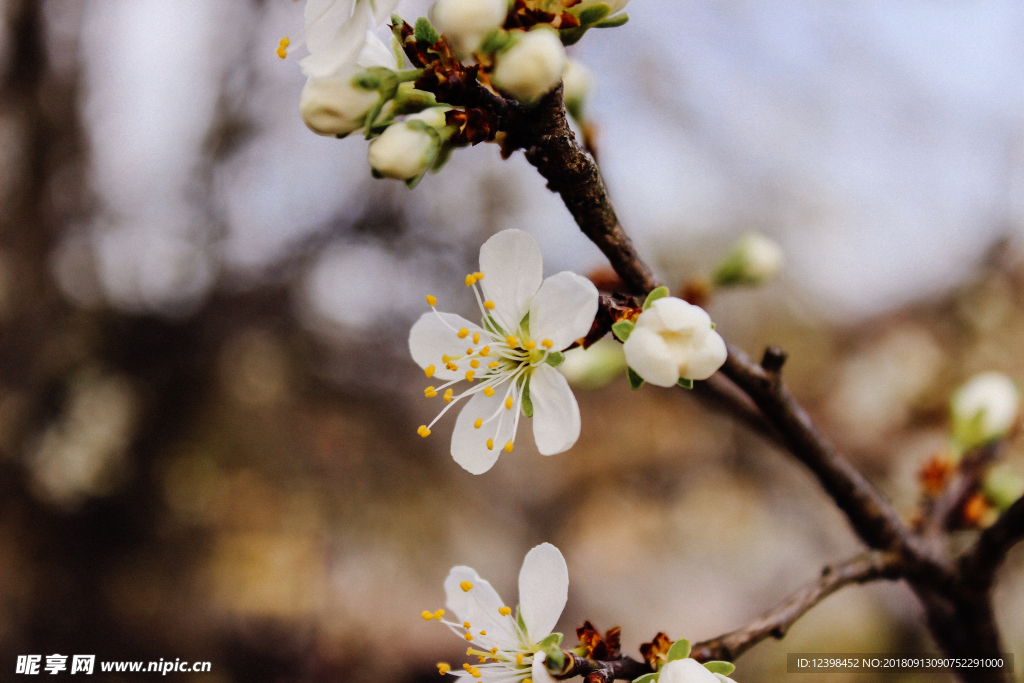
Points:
point(672, 340)
point(507, 359)
point(689, 671)
point(506, 643)
point(532, 66)
point(984, 408)
point(576, 82)
point(467, 22)
point(405, 150)
point(753, 260)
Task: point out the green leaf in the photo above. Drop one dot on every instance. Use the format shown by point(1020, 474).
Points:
point(679, 650)
point(553, 640)
point(555, 358)
point(527, 403)
point(571, 36)
point(646, 678)
point(685, 383)
point(622, 329)
point(496, 41)
point(635, 380)
point(611, 22)
point(716, 667)
point(443, 155)
point(655, 294)
point(594, 14)
point(425, 32)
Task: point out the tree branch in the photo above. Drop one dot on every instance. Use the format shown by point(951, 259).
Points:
point(980, 563)
point(944, 508)
point(776, 622)
point(596, 671)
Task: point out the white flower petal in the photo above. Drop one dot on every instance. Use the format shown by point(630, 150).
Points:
point(382, 10)
point(706, 360)
point(479, 606)
point(543, 590)
point(376, 53)
point(469, 444)
point(556, 415)
point(513, 269)
point(563, 309)
point(430, 338)
point(649, 356)
point(539, 671)
point(686, 671)
point(340, 51)
point(322, 19)
point(723, 679)
point(679, 316)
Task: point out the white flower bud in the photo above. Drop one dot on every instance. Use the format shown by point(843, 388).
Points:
point(576, 82)
point(335, 106)
point(753, 260)
point(467, 22)
point(674, 340)
point(689, 671)
point(984, 409)
point(615, 5)
point(532, 67)
point(404, 150)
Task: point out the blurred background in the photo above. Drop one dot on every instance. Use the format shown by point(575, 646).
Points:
point(207, 407)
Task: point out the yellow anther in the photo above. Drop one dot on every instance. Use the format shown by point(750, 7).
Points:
point(489, 305)
point(527, 680)
point(469, 352)
point(519, 659)
point(448, 396)
point(508, 402)
point(430, 392)
point(282, 47)
point(465, 665)
point(466, 624)
point(494, 650)
point(504, 611)
point(488, 391)
point(481, 659)
point(452, 366)
point(443, 668)
point(508, 447)
point(490, 444)
point(483, 633)
point(466, 586)
point(474, 363)
point(478, 275)
point(470, 280)
point(486, 351)
point(438, 614)
point(476, 672)
point(478, 423)
point(476, 337)
point(511, 341)
point(530, 345)
point(463, 333)
point(427, 616)
point(432, 300)
point(423, 431)
point(547, 343)
point(469, 375)
point(468, 636)
point(445, 358)
point(429, 370)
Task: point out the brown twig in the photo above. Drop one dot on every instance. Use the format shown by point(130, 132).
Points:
point(596, 671)
point(776, 622)
point(943, 510)
point(980, 563)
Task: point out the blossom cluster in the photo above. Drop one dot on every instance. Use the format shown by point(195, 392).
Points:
point(426, 93)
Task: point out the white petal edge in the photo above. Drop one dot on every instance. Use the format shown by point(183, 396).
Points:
point(341, 49)
point(706, 361)
point(563, 309)
point(469, 444)
point(539, 671)
point(686, 671)
point(479, 606)
point(649, 356)
point(556, 414)
point(543, 590)
point(513, 269)
point(430, 338)
point(678, 315)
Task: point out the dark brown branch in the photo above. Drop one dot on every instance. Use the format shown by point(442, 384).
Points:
point(595, 671)
point(979, 565)
point(776, 622)
point(944, 509)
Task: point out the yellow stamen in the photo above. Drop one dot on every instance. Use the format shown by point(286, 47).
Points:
point(476, 337)
point(445, 358)
point(474, 363)
point(490, 444)
point(489, 305)
point(432, 300)
point(508, 447)
point(427, 616)
point(463, 333)
point(443, 668)
point(430, 392)
point(438, 614)
point(476, 673)
point(468, 636)
point(470, 280)
point(465, 665)
point(527, 680)
point(478, 275)
point(452, 366)
point(485, 351)
point(508, 402)
point(466, 586)
point(511, 341)
point(493, 364)
point(282, 47)
point(478, 423)
point(423, 431)
point(504, 611)
point(519, 659)
point(494, 650)
point(530, 346)
point(469, 375)
point(488, 391)
point(483, 633)
point(448, 396)
point(481, 659)
point(466, 624)
point(429, 370)
point(547, 343)
point(469, 352)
